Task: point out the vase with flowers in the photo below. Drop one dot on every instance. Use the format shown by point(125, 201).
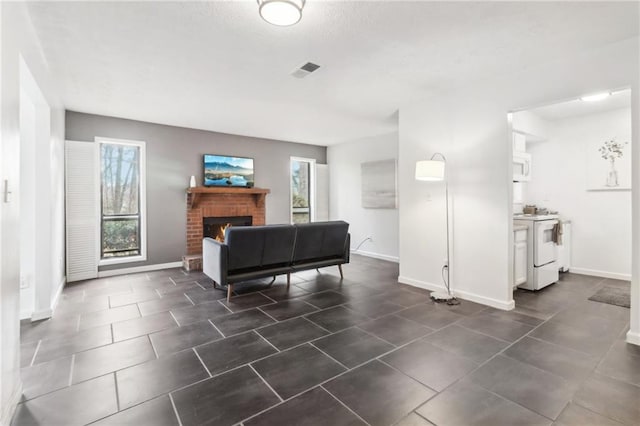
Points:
point(610, 151)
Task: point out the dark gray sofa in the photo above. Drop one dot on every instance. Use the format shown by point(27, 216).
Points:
point(251, 252)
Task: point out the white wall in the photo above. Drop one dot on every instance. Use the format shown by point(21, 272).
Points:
point(17, 39)
point(469, 125)
point(345, 195)
point(601, 220)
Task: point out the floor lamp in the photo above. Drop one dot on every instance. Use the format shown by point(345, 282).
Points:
point(434, 170)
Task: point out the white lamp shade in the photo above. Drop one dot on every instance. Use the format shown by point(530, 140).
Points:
point(430, 170)
point(281, 12)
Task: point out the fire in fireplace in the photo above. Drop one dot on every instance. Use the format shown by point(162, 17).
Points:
point(214, 227)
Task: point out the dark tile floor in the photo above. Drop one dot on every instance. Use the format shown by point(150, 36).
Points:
point(165, 348)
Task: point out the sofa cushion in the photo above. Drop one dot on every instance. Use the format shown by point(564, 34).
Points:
point(278, 245)
point(320, 240)
point(245, 246)
point(255, 247)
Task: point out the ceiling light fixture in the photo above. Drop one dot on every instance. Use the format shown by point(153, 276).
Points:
point(281, 12)
point(595, 97)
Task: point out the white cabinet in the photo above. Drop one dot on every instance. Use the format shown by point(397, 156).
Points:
point(521, 167)
point(521, 160)
point(519, 142)
point(519, 257)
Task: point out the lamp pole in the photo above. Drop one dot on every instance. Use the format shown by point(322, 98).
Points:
point(449, 298)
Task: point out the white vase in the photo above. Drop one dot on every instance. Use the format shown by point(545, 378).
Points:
point(192, 182)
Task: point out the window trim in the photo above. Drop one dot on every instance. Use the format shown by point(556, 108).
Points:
point(312, 187)
point(143, 201)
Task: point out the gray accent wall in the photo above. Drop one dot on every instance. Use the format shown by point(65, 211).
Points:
point(173, 155)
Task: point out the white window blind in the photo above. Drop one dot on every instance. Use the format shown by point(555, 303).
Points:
point(81, 210)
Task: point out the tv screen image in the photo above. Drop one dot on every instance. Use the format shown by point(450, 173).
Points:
point(228, 171)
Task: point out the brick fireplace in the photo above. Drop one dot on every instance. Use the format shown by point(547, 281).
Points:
point(220, 202)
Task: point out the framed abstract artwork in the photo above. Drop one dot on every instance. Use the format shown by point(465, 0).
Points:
point(379, 184)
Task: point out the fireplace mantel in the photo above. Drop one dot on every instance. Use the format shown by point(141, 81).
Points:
point(194, 194)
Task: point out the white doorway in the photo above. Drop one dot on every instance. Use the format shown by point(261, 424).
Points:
point(34, 200)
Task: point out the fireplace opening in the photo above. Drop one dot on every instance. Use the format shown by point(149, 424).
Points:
point(214, 227)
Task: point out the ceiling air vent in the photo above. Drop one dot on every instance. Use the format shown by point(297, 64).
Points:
point(305, 70)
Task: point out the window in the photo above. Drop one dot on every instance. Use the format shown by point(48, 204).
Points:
point(122, 201)
point(302, 190)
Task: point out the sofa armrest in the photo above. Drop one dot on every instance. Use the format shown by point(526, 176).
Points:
point(214, 260)
point(347, 248)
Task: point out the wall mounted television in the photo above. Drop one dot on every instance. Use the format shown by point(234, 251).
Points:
point(221, 170)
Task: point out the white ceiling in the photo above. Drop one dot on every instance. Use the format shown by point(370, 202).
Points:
point(576, 107)
point(218, 66)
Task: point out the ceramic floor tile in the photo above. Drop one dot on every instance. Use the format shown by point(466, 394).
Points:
point(467, 404)
point(430, 316)
point(157, 412)
point(288, 309)
point(414, 419)
point(622, 362)
point(467, 343)
point(241, 321)
point(199, 312)
point(326, 299)
point(76, 405)
point(374, 308)
point(395, 330)
point(430, 365)
point(281, 292)
point(610, 398)
point(378, 393)
point(297, 370)
point(352, 346)
point(77, 342)
point(575, 415)
point(234, 351)
point(315, 407)
point(108, 316)
point(185, 337)
point(242, 303)
point(153, 378)
point(136, 327)
point(27, 352)
point(293, 332)
point(572, 365)
point(224, 400)
point(535, 389)
point(500, 328)
point(167, 303)
point(45, 377)
point(577, 338)
point(337, 318)
point(133, 297)
point(109, 358)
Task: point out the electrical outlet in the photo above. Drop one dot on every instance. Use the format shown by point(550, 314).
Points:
point(370, 238)
point(24, 282)
point(445, 262)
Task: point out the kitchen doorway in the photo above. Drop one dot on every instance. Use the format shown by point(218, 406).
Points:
point(571, 202)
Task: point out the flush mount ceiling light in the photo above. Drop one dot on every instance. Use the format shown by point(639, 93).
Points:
point(281, 12)
point(595, 97)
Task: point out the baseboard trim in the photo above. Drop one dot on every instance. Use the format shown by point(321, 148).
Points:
point(376, 255)
point(472, 297)
point(136, 269)
point(10, 409)
point(633, 338)
point(601, 274)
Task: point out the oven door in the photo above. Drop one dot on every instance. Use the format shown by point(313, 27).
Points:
point(545, 250)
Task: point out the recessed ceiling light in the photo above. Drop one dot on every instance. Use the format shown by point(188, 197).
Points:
point(281, 12)
point(595, 97)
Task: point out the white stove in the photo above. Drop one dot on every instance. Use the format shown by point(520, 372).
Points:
point(542, 251)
